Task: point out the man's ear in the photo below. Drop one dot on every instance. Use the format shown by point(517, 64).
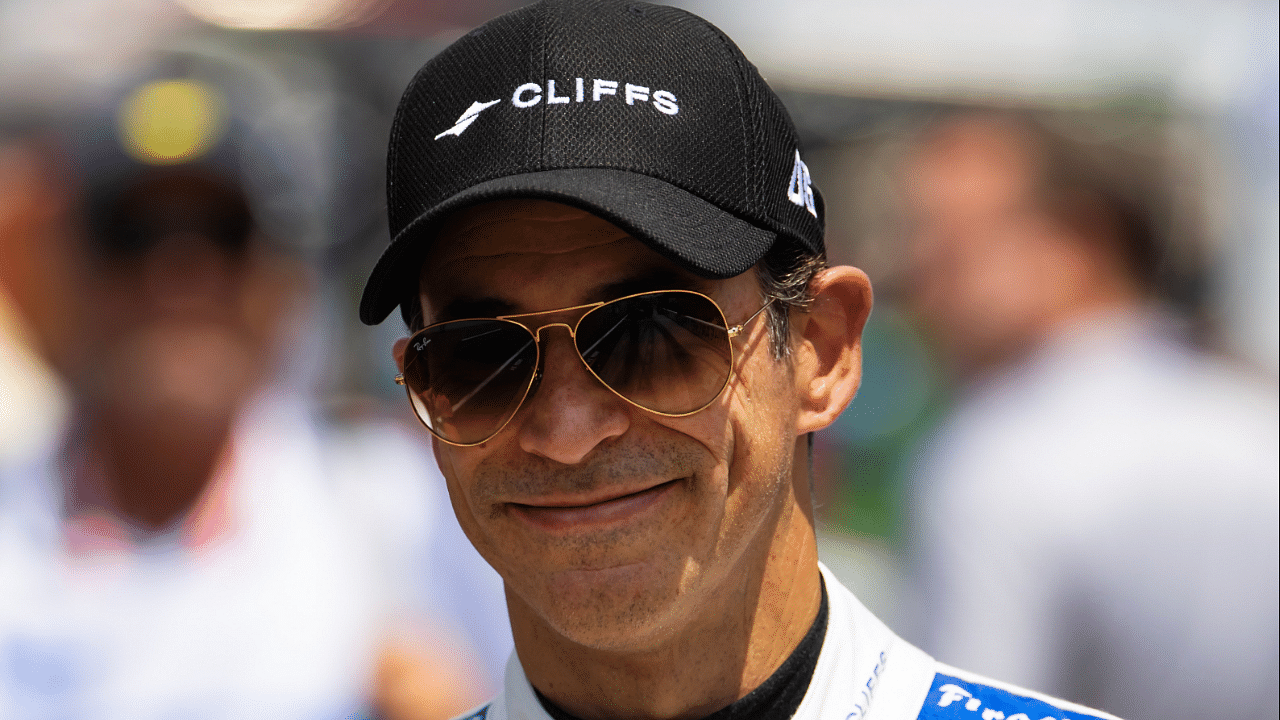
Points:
point(828, 359)
point(397, 351)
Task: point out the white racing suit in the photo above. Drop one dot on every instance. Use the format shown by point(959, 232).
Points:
point(864, 672)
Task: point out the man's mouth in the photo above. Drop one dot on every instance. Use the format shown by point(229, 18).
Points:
point(562, 514)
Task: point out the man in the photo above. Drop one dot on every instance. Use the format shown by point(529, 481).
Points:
point(196, 544)
point(610, 249)
point(1098, 517)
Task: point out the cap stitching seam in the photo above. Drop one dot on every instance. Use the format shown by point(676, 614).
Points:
point(545, 24)
point(746, 159)
point(758, 113)
point(397, 127)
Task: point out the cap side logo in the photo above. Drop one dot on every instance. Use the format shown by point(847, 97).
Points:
point(464, 121)
point(800, 189)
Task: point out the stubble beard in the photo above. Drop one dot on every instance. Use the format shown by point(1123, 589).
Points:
point(615, 587)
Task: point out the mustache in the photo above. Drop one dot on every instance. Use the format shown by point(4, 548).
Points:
point(500, 480)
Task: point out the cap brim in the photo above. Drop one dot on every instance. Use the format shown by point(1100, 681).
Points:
point(679, 225)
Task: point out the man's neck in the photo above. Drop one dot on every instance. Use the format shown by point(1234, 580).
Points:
point(749, 628)
point(777, 698)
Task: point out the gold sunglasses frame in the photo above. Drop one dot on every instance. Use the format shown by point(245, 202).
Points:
point(731, 332)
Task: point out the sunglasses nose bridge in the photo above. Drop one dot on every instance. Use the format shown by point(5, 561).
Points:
point(542, 354)
point(537, 332)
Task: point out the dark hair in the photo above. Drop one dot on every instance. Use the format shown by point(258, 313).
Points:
point(1103, 193)
point(1107, 193)
point(785, 273)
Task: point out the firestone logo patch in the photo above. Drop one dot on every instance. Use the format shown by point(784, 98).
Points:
point(951, 698)
point(530, 94)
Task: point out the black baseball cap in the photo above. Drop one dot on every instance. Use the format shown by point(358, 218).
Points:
point(644, 115)
point(193, 118)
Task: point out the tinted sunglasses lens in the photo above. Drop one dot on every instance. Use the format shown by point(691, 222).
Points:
point(466, 379)
point(666, 352)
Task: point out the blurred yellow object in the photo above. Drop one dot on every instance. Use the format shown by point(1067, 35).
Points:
point(171, 121)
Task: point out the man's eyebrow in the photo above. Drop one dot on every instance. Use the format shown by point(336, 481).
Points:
point(657, 279)
point(465, 307)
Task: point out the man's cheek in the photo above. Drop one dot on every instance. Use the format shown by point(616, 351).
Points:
point(457, 464)
point(712, 428)
point(440, 451)
point(459, 496)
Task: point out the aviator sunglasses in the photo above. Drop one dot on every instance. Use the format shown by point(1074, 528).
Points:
point(668, 352)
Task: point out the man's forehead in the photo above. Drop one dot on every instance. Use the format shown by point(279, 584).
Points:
point(523, 255)
point(521, 226)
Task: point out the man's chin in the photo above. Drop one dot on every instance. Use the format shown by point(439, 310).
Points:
point(619, 608)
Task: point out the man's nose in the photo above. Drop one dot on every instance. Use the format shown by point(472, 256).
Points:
point(571, 412)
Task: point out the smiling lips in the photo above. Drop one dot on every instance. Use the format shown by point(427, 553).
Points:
point(556, 516)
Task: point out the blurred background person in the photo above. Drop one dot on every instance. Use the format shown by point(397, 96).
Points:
point(1097, 516)
point(195, 543)
point(1193, 84)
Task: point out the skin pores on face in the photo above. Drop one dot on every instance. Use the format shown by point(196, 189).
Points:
point(614, 528)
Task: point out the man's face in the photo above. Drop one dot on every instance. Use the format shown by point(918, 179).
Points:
point(174, 341)
point(987, 263)
point(611, 526)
